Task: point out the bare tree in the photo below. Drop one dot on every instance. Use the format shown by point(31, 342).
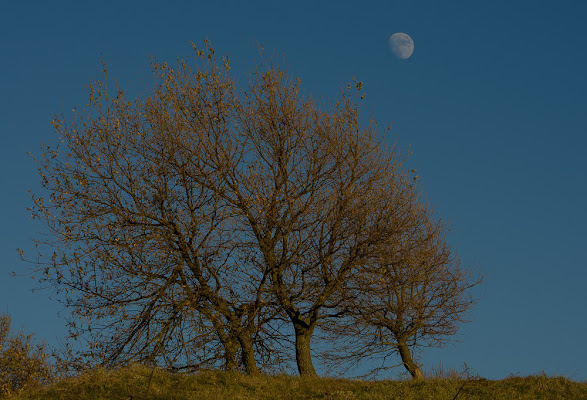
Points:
point(416, 294)
point(318, 194)
point(150, 260)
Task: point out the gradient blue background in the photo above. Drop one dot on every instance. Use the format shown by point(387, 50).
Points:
point(493, 102)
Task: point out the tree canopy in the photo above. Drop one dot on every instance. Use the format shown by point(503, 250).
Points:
point(205, 225)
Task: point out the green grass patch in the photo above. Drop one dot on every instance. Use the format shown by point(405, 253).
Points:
point(141, 383)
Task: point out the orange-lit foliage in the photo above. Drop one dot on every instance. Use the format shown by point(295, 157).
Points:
point(22, 363)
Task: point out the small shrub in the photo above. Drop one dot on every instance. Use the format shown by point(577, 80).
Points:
point(23, 364)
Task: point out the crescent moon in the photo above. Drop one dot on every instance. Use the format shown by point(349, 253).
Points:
point(401, 45)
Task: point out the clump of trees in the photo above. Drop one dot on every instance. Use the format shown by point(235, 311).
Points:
point(23, 364)
point(205, 225)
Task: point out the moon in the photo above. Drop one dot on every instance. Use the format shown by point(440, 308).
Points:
point(401, 45)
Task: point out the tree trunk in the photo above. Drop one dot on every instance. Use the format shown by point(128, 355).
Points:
point(303, 354)
point(411, 366)
point(248, 355)
point(230, 349)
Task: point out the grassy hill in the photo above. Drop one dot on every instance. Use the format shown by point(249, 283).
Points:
point(140, 383)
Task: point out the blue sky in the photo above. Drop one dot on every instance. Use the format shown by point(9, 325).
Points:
point(493, 103)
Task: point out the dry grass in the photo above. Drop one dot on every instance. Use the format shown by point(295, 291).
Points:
point(140, 383)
